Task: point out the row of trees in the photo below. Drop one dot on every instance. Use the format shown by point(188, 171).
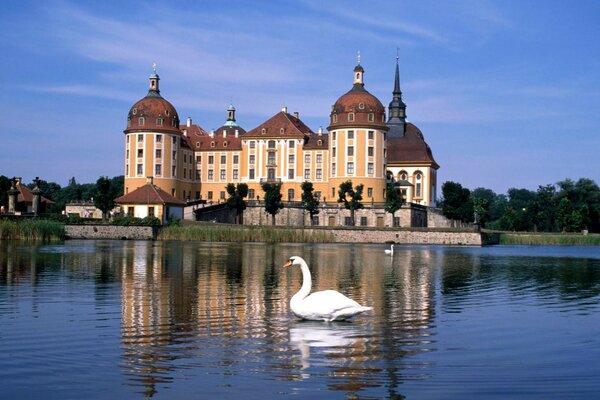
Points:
point(567, 206)
point(348, 195)
point(102, 193)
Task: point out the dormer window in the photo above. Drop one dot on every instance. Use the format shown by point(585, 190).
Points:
point(334, 118)
point(212, 144)
point(159, 121)
point(197, 144)
point(134, 111)
point(141, 121)
point(225, 144)
point(167, 113)
point(350, 117)
point(320, 142)
point(361, 106)
point(281, 130)
point(263, 131)
point(128, 122)
point(371, 117)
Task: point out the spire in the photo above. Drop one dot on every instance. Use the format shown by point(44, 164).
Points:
point(231, 116)
point(153, 90)
point(397, 108)
point(358, 74)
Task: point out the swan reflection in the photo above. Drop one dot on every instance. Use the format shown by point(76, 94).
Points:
point(339, 342)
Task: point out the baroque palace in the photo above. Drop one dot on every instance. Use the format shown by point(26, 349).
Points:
point(361, 145)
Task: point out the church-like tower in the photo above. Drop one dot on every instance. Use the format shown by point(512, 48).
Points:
point(357, 144)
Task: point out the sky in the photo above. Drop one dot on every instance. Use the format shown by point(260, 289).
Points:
point(506, 93)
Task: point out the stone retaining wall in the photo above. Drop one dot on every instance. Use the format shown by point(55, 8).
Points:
point(406, 237)
point(110, 232)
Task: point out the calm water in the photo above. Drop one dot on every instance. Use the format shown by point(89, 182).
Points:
point(175, 320)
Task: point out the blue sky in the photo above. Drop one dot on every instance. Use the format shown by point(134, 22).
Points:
point(506, 93)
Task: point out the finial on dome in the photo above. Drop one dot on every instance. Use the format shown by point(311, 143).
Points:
point(358, 56)
point(154, 67)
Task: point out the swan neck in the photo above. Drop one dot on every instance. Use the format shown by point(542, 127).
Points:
point(306, 281)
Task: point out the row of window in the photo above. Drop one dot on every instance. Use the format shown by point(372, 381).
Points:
point(351, 117)
point(158, 122)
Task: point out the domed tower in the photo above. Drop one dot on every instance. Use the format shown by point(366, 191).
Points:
point(155, 147)
point(357, 141)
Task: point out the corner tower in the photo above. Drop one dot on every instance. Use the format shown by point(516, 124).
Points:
point(357, 133)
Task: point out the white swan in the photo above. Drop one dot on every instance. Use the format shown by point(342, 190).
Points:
point(390, 251)
point(327, 305)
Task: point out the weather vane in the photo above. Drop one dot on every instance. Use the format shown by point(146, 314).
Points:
point(397, 53)
point(154, 67)
point(358, 56)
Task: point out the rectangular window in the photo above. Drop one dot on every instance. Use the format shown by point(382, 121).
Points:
point(251, 173)
point(131, 211)
point(210, 196)
point(319, 173)
point(334, 135)
point(184, 157)
point(222, 195)
point(151, 211)
point(396, 221)
point(350, 168)
point(307, 159)
point(333, 151)
point(292, 143)
point(363, 221)
point(197, 175)
point(347, 221)
point(418, 190)
point(307, 174)
point(371, 135)
point(140, 123)
point(174, 155)
point(370, 151)
point(333, 169)
point(184, 173)
point(271, 159)
point(350, 150)
point(140, 169)
point(174, 140)
point(158, 153)
point(251, 194)
point(157, 170)
point(210, 174)
point(252, 158)
point(198, 159)
point(235, 174)
point(350, 134)
point(291, 173)
point(315, 220)
point(174, 171)
point(371, 117)
point(291, 159)
point(223, 177)
point(140, 153)
point(236, 159)
point(159, 121)
point(369, 192)
point(318, 196)
point(127, 155)
point(223, 160)
point(319, 158)
point(211, 159)
point(350, 117)
point(158, 138)
point(252, 144)
point(370, 168)
point(140, 138)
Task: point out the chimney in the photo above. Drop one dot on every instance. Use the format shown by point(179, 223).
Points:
point(296, 115)
point(320, 131)
point(284, 109)
point(236, 133)
point(149, 180)
point(224, 133)
point(185, 132)
point(212, 133)
point(18, 180)
point(189, 121)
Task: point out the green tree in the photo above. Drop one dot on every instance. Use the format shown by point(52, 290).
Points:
point(236, 199)
point(4, 187)
point(272, 199)
point(309, 203)
point(393, 200)
point(351, 198)
point(104, 199)
point(457, 203)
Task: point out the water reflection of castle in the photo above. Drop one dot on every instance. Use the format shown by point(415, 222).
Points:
point(188, 304)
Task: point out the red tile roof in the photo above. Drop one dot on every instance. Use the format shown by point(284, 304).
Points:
point(26, 195)
point(317, 142)
point(199, 139)
point(410, 148)
point(149, 194)
point(281, 125)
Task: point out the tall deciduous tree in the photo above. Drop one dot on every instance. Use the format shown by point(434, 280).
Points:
point(272, 199)
point(351, 198)
point(456, 203)
point(393, 200)
point(236, 199)
point(309, 202)
point(104, 199)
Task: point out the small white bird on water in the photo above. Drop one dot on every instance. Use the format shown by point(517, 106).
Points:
point(390, 251)
point(327, 305)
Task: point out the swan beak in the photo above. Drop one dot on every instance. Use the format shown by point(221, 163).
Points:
point(288, 264)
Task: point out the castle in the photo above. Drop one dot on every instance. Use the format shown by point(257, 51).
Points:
point(360, 145)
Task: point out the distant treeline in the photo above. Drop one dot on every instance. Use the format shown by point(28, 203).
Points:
point(73, 192)
point(567, 206)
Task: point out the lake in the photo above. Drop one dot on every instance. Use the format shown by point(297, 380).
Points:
point(179, 320)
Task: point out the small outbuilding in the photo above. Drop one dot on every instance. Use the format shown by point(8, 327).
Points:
point(150, 200)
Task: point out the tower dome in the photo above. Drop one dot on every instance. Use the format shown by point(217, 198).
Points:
point(153, 112)
point(357, 106)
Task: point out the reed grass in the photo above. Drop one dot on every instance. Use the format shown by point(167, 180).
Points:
point(239, 233)
point(32, 230)
point(550, 239)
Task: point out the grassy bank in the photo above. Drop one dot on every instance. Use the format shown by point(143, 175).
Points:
point(550, 239)
point(238, 233)
point(32, 230)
